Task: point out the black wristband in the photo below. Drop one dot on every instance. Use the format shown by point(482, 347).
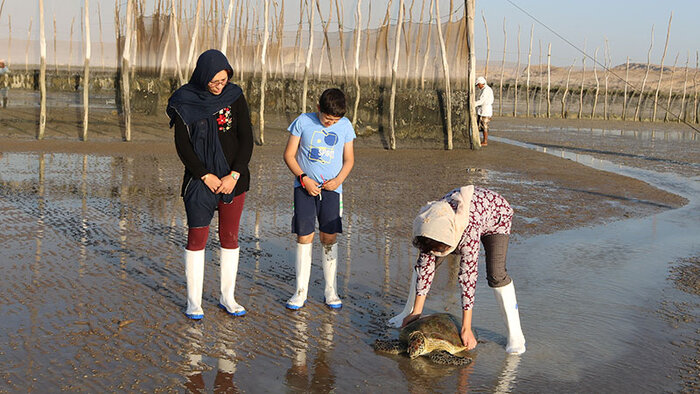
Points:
point(301, 179)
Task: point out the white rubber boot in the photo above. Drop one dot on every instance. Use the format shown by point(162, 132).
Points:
point(229, 270)
point(303, 272)
point(505, 296)
point(330, 267)
point(397, 320)
point(194, 274)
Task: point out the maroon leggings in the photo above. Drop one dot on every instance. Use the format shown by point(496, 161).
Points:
point(229, 221)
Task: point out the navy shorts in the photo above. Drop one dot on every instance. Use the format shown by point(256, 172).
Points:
point(328, 209)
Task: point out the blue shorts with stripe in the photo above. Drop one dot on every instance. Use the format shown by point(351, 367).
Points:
point(327, 208)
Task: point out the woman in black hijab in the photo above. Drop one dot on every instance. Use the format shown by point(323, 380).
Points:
point(214, 139)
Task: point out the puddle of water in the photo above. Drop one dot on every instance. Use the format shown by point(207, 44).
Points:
point(95, 288)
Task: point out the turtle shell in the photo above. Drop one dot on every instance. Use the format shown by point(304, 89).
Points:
point(432, 333)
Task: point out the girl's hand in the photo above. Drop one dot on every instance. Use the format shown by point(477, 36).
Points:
point(227, 185)
point(312, 187)
point(409, 319)
point(212, 181)
point(331, 184)
point(468, 339)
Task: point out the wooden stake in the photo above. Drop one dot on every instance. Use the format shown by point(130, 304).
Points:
point(126, 93)
point(503, 69)
point(661, 69)
point(382, 36)
point(263, 83)
point(517, 76)
point(227, 25)
point(326, 41)
point(670, 89)
point(42, 72)
point(597, 82)
point(549, 79)
point(446, 71)
point(407, 41)
point(539, 70)
point(164, 56)
point(684, 112)
point(55, 53)
point(176, 33)
point(564, 113)
point(307, 66)
point(298, 38)
point(427, 47)
point(696, 118)
point(9, 39)
point(608, 64)
point(474, 137)
point(488, 46)
point(583, 78)
point(102, 44)
point(394, 68)
point(339, 9)
point(86, 73)
point(418, 41)
point(358, 39)
point(527, 81)
point(624, 94)
point(193, 41)
point(26, 51)
point(637, 112)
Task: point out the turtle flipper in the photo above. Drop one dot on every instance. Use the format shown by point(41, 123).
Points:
point(446, 358)
point(390, 346)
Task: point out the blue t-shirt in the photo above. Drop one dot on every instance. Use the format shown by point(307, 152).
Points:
point(320, 153)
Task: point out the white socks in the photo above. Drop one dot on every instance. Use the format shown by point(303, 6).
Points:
point(397, 320)
point(330, 266)
point(303, 272)
point(229, 270)
point(509, 308)
point(194, 274)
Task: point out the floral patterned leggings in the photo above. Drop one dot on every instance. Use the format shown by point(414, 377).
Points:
point(490, 219)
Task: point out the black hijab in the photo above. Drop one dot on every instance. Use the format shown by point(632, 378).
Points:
point(193, 101)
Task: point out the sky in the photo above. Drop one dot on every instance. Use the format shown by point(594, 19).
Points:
point(586, 24)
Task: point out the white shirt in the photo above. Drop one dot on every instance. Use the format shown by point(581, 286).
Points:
point(484, 105)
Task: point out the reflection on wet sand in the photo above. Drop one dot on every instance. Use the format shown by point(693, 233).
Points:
point(506, 380)
point(194, 366)
point(322, 378)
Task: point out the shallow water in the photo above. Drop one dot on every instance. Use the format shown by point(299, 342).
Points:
point(94, 290)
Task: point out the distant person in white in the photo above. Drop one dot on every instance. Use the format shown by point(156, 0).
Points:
point(3, 82)
point(484, 108)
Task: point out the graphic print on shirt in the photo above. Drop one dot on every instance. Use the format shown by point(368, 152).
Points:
point(224, 119)
point(321, 149)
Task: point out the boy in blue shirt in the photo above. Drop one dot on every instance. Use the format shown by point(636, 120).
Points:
point(320, 154)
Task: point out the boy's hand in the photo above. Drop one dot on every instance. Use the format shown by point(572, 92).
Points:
point(312, 187)
point(331, 184)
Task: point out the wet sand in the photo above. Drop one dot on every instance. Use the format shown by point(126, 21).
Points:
point(93, 297)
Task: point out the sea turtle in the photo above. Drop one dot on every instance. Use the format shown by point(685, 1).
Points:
point(436, 336)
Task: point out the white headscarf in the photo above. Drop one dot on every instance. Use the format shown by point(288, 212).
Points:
point(437, 220)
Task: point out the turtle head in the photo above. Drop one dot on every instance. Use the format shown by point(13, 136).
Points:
point(416, 345)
